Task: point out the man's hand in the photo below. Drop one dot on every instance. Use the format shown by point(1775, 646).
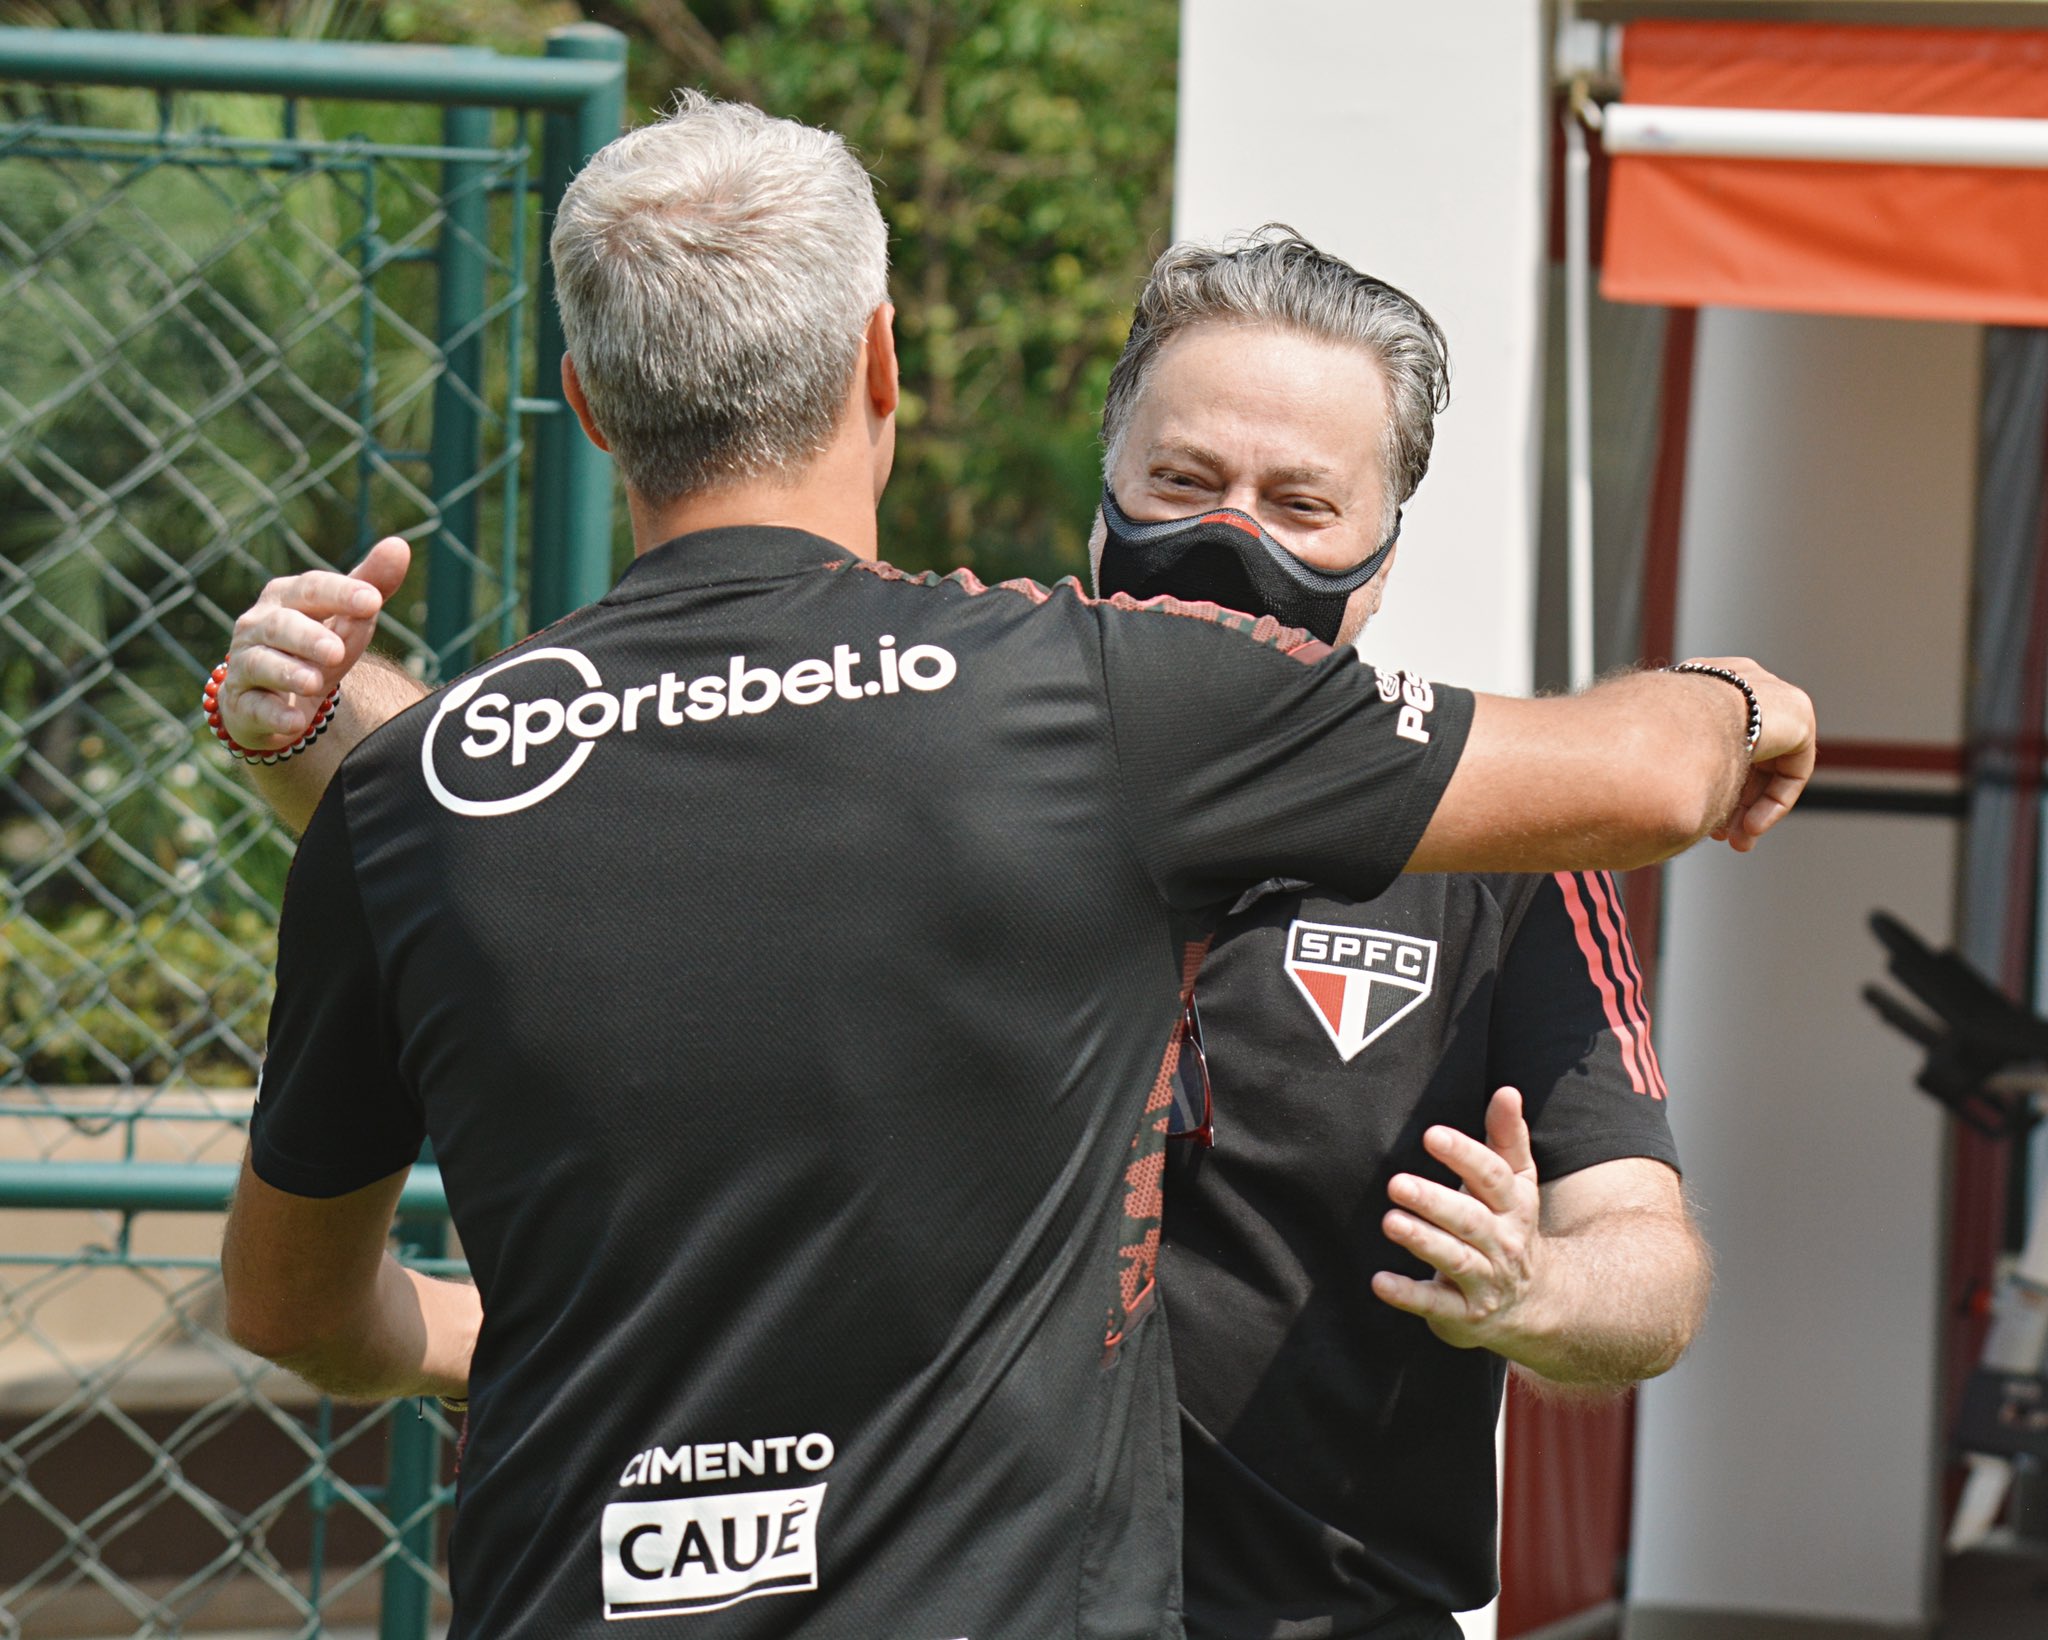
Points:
point(1484, 1242)
point(1783, 760)
point(1596, 1279)
point(298, 641)
point(301, 637)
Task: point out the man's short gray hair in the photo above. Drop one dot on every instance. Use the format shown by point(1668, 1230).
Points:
point(716, 271)
point(1273, 276)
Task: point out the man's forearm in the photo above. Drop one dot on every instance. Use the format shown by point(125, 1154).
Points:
point(413, 1336)
point(1628, 773)
point(1617, 1300)
point(374, 693)
point(1632, 771)
point(1695, 740)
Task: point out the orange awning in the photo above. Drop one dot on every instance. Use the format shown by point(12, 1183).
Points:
point(1904, 241)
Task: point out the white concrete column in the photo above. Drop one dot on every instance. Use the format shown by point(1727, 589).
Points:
point(1410, 140)
point(1788, 1465)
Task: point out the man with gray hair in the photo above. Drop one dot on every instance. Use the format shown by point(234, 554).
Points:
point(1368, 1233)
point(788, 958)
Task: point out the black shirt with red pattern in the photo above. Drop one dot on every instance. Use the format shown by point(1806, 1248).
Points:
point(1339, 1458)
point(786, 957)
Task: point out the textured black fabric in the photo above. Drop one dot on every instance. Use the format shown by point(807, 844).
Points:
point(796, 1071)
point(1339, 1459)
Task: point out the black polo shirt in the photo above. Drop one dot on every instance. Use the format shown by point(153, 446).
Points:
point(1339, 1458)
point(785, 956)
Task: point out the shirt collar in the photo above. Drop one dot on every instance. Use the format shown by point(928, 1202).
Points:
point(737, 552)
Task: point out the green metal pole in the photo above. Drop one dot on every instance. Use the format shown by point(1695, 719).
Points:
point(455, 457)
point(301, 68)
point(411, 1483)
point(572, 479)
point(163, 1187)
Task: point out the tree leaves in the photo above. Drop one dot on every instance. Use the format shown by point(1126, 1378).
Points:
point(1022, 151)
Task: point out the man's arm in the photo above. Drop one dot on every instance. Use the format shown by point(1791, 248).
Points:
point(303, 635)
point(1597, 1279)
point(1631, 1274)
point(310, 1286)
point(1630, 772)
point(336, 1127)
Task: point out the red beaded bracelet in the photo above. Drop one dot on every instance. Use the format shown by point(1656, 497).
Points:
point(209, 704)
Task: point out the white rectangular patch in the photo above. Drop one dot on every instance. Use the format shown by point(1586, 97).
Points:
point(674, 1556)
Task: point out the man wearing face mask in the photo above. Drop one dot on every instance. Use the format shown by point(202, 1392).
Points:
point(1367, 1232)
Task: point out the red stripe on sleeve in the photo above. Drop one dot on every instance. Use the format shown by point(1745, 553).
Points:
point(1615, 927)
point(1643, 996)
point(1661, 1088)
point(1596, 970)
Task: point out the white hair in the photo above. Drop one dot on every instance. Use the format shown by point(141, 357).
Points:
point(716, 272)
point(1273, 276)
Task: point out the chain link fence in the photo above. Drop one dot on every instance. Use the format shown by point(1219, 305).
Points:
point(154, 1480)
point(238, 339)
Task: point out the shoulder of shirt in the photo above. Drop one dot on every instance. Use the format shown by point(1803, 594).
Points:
point(1261, 629)
point(1436, 895)
point(1513, 891)
point(1516, 893)
point(561, 627)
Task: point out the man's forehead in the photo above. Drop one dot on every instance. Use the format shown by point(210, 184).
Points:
point(1297, 407)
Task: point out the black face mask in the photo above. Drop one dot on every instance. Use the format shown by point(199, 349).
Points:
point(1225, 557)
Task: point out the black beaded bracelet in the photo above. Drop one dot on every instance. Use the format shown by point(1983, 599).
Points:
point(1756, 711)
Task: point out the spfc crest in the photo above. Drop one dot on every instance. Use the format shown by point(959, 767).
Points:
point(1360, 982)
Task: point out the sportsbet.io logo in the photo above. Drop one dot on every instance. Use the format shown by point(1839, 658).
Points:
point(517, 740)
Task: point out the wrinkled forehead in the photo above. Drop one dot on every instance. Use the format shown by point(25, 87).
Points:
point(1265, 404)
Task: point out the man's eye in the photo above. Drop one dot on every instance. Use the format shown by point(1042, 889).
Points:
point(1177, 481)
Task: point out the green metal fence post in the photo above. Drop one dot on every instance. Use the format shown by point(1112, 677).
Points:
point(140, 240)
point(456, 455)
point(572, 480)
point(414, 1476)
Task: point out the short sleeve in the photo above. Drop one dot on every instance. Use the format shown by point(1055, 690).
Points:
point(1571, 1029)
point(1248, 751)
point(333, 1113)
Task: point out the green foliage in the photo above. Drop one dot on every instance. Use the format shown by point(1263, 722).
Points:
point(212, 370)
point(1023, 151)
point(94, 998)
point(1024, 154)
point(153, 474)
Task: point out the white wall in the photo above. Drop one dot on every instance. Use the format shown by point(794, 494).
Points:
point(1787, 1466)
point(1411, 140)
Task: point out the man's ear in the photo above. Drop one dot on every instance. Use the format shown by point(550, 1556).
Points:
point(572, 390)
point(884, 384)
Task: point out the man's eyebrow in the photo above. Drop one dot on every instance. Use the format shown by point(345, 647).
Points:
point(1299, 475)
point(1202, 456)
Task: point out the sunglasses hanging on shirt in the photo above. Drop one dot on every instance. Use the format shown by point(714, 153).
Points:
point(1192, 1115)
